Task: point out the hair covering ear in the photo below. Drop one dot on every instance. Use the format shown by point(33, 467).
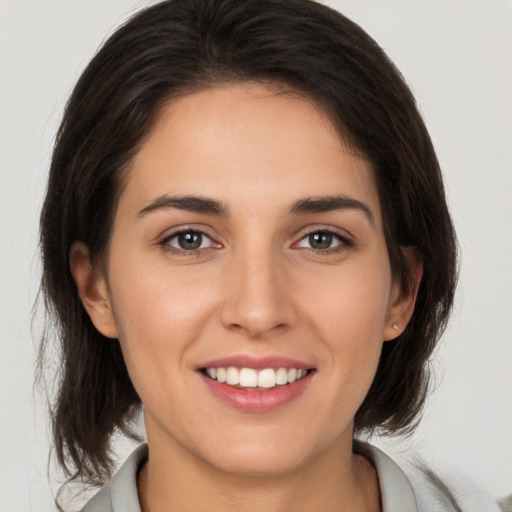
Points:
point(92, 289)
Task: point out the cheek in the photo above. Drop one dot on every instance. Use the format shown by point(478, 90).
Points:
point(159, 316)
point(348, 312)
point(350, 305)
point(151, 301)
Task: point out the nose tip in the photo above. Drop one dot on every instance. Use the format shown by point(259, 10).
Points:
point(257, 303)
point(257, 324)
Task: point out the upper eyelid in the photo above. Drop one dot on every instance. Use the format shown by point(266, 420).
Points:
point(171, 233)
point(342, 233)
point(181, 231)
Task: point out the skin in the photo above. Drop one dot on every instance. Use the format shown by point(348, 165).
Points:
point(256, 286)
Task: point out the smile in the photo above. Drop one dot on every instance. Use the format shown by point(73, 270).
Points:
point(256, 385)
point(249, 378)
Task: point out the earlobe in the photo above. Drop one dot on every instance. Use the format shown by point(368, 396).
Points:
point(403, 299)
point(92, 289)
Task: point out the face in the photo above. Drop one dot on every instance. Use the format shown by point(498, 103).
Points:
point(248, 281)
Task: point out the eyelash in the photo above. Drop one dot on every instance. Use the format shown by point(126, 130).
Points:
point(343, 244)
point(165, 242)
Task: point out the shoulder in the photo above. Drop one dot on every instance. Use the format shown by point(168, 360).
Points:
point(405, 485)
point(408, 484)
point(120, 493)
point(448, 490)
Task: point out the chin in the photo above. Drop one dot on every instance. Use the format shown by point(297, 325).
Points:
point(258, 461)
point(263, 454)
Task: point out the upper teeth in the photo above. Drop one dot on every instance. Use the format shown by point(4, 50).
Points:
point(250, 378)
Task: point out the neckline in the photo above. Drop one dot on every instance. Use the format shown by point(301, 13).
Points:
point(396, 491)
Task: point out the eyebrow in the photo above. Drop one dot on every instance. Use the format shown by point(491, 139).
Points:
point(189, 203)
point(209, 206)
point(329, 204)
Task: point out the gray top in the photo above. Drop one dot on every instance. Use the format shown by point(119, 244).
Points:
point(120, 494)
point(413, 492)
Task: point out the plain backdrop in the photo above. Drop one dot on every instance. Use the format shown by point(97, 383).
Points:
point(456, 55)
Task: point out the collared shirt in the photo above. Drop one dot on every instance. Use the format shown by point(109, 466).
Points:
point(399, 492)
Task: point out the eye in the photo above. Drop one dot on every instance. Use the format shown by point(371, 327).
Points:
point(323, 240)
point(188, 241)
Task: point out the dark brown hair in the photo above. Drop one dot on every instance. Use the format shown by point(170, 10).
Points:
point(182, 45)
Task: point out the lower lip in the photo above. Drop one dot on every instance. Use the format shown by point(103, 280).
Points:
point(257, 400)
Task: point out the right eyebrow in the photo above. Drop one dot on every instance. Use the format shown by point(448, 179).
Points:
point(196, 204)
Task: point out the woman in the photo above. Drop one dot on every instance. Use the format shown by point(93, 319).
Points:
point(245, 231)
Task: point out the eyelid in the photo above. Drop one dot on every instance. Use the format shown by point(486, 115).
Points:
point(324, 228)
point(164, 239)
point(346, 240)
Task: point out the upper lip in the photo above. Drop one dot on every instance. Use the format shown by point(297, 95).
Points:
point(255, 362)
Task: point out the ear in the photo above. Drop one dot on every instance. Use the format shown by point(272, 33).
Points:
point(92, 289)
point(402, 299)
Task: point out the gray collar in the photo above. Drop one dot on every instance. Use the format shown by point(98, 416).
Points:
point(120, 494)
point(396, 491)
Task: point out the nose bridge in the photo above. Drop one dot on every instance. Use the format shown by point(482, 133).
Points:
point(256, 300)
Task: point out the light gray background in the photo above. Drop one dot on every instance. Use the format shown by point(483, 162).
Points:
point(456, 54)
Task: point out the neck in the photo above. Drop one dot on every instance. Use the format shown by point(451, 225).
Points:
point(337, 481)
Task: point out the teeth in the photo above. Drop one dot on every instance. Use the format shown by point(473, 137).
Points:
point(221, 374)
point(232, 376)
point(267, 378)
point(281, 376)
point(250, 378)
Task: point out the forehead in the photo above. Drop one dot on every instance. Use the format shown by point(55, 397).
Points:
point(246, 142)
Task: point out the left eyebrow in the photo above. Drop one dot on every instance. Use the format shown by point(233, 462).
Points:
point(329, 204)
point(189, 203)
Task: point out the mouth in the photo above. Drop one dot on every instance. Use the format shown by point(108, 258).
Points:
point(256, 385)
point(255, 379)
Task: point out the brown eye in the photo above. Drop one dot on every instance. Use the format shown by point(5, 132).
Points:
point(323, 240)
point(189, 241)
point(320, 240)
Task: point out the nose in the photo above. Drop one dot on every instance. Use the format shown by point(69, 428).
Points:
point(257, 301)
